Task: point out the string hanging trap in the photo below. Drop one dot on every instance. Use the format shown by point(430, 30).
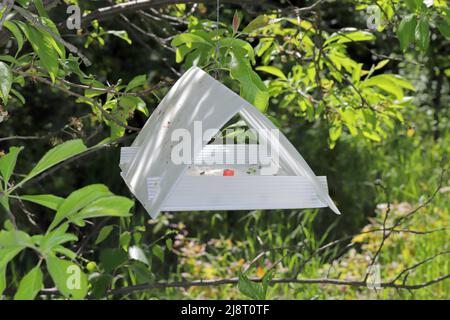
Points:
point(215, 176)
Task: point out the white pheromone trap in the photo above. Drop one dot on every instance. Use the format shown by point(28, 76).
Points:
point(216, 176)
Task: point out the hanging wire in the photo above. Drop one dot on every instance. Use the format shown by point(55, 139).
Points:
point(217, 55)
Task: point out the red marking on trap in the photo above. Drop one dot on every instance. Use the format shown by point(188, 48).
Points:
point(228, 173)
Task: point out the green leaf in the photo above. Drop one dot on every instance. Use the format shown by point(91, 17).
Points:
point(335, 131)
point(44, 46)
point(47, 200)
point(8, 162)
point(406, 30)
point(110, 259)
point(273, 71)
point(14, 29)
point(66, 252)
point(6, 255)
point(103, 234)
point(30, 285)
point(121, 34)
point(18, 95)
point(372, 135)
point(129, 103)
point(6, 80)
point(113, 206)
point(56, 238)
point(349, 35)
point(9, 59)
point(381, 64)
point(78, 200)
point(188, 39)
point(14, 239)
point(252, 87)
point(169, 244)
point(265, 281)
point(56, 155)
point(136, 253)
point(257, 23)
point(59, 47)
point(390, 83)
point(414, 5)
point(137, 81)
point(2, 279)
point(68, 277)
point(249, 288)
point(124, 240)
point(422, 34)
point(396, 79)
point(233, 43)
point(444, 28)
point(100, 284)
point(40, 8)
point(158, 252)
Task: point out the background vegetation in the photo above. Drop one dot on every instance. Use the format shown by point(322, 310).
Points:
point(361, 88)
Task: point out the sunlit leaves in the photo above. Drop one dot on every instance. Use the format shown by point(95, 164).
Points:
point(14, 29)
point(47, 200)
point(113, 206)
point(30, 285)
point(8, 163)
point(56, 155)
point(13, 239)
point(6, 255)
point(158, 252)
point(68, 277)
point(55, 238)
point(257, 23)
point(103, 234)
point(273, 71)
point(349, 35)
point(43, 46)
point(11, 243)
point(136, 253)
point(390, 83)
point(414, 5)
point(121, 34)
point(78, 200)
point(422, 34)
point(233, 44)
point(406, 30)
point(444, 28)
point(252, 87)
point(137, 81)
point(189, 39)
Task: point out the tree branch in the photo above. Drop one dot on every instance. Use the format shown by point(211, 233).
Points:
point(106, 114)
point(131, 6)
point(207, 283)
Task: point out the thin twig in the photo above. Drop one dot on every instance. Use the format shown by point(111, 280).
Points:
point(207, 283)
point(106, 114)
